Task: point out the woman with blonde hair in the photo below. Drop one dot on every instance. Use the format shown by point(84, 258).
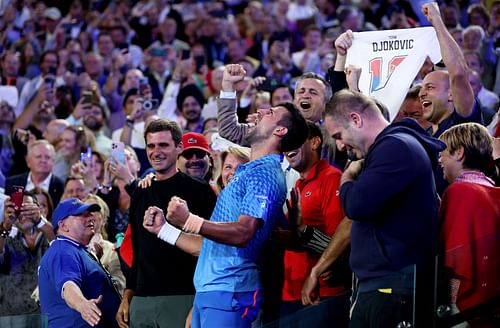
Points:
point(230, 160)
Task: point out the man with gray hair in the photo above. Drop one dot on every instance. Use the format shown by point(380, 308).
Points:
point(40, 161)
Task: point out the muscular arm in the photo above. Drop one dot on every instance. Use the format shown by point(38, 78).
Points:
point(231, 233)
point(339, 242)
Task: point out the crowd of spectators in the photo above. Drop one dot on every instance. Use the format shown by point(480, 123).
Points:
point(80, 77)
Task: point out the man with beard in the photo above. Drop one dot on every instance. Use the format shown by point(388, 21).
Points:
point(227, 278)
point(391, 234)
point(190, 102)
point(194, 160)
point(160, 286)
point(94, 119)
point(312, 93)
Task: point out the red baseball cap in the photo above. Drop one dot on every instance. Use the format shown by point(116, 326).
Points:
point(193, 140)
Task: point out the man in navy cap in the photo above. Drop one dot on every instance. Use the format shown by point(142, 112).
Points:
point(75, 289)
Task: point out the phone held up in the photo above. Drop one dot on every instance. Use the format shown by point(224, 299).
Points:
point(17, 198)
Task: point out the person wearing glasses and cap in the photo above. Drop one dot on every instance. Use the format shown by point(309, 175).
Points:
point(194, 160)
point(75, 289)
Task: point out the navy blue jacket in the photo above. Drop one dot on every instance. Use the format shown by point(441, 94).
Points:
point(393, 203)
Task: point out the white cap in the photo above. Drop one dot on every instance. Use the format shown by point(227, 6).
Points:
point(52, 13)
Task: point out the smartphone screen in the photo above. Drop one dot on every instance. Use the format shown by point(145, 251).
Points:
point(86, 157)
point(86, 97)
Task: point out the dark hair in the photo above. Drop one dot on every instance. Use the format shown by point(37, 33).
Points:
point(160, 125)
point(413, 92)
point(383, 109)
point(131, 92)
point(279, 86)
point(49, 52)
point(297, 128)
point(315, 131)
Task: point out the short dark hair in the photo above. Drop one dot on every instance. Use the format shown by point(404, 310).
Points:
point(160, 125)
point(49, 52)
point(297, 128)
point(279, 86)
point(315, 131)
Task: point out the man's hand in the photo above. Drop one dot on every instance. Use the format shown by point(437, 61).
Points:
point(344, 42)
point(154, 219)
point(233, 73)
point(310, 291)
point(431, 12)
point(352, 75)
point(352, 171)
point(147, 180)
point(177, 211)
point(90, 311)
point(122, 315)
point(9, 214)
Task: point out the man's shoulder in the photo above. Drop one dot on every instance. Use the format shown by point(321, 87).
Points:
point(14, 180)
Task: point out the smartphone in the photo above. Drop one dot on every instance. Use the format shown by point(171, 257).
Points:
point(143, 85)
point(200, 61)
point(86, 97)
point(86, 157)
point(49, 81)
point(118, 151)
point(17, 198)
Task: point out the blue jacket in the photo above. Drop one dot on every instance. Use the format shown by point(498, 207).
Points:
point(393, 204)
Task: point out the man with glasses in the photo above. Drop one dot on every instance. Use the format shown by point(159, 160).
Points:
point(75, 289)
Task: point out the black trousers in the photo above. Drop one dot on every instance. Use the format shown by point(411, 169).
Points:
point(381, 310)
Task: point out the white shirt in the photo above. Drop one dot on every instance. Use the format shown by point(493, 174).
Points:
point(390, 60)
point(137, 139)
point(44, 185)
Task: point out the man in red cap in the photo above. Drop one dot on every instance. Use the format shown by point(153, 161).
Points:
point(194, 160)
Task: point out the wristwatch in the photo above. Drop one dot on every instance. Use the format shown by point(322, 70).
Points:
point(3, 232)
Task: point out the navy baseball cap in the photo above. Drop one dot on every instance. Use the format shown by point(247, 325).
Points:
point(69, 207)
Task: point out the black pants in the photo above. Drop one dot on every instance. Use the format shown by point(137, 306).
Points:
point(381, 310)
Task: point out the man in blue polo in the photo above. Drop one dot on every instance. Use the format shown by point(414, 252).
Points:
point(227, 277)
point(75, 289)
